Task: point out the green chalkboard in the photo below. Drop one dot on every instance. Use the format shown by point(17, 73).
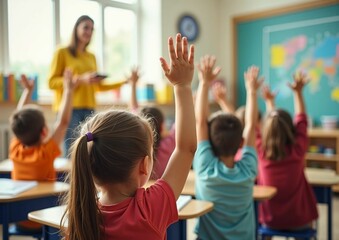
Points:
point(305, 39)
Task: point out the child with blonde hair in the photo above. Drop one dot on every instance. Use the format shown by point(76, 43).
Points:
point(114, 153)
point(219, 179)
point(281, 152)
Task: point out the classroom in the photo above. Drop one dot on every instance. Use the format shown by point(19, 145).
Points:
point(287, 40)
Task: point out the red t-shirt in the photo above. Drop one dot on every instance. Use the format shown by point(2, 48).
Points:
point(294, 205)
point(145, 216)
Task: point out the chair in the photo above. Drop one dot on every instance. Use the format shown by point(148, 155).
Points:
point(13, 231)
point(300, 234)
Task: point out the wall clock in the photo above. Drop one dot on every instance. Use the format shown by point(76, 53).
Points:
point(188, 27)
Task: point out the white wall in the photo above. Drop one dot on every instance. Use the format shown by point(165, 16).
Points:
point(215, 18)
point(205, 11)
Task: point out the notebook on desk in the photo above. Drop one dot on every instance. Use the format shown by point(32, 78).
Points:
point(13, 187)
point(182, 201)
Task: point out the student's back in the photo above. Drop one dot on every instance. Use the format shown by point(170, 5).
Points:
point(164, 143)
point(115, 154)
point(228, 184)
point(32, 150)
point(281, 151)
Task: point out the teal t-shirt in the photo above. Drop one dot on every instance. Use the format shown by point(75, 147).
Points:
point(231, 191)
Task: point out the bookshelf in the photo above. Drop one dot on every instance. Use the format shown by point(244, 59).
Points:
point(326, 139)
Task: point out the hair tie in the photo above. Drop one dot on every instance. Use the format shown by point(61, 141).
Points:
point(89, 136)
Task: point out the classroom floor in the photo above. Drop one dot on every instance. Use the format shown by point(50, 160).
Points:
point(322, 224)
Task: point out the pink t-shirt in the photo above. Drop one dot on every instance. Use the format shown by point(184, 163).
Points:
point(164, 152)
point(294, 205)
point(145, 216)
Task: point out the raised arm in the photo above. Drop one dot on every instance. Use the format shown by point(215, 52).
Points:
point(180, 73)
point(268, 97)
point(207, 73)
point(64, 115)
point(300, 80)
point(219, 94)
point(26, 95)
point(251, 114)
point(132, 80)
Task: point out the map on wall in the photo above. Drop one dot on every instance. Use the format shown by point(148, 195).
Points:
point(311, 46)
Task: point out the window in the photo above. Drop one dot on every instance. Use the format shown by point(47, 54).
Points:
point(120, 47)
point(34, 34)
point(30, 38)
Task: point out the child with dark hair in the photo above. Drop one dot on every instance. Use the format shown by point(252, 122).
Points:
point(219, 179)
point(281, 152)
point(115, 153)
point(33, 150)
point(164, 141)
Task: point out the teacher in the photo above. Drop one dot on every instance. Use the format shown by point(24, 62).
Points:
point(84, 66)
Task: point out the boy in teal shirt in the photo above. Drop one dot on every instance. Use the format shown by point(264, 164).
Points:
point(221, 180)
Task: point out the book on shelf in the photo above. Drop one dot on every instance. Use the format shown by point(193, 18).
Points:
point(13, 187)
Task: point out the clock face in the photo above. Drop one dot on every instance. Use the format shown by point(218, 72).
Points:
point(188, 27)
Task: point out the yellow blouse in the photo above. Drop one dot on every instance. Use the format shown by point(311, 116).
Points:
point(84, 95)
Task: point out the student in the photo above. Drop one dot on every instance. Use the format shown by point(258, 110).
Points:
point(281, 152)
point(114, 153)
point(164, 142)
point(33, 150)
point(84, 66)
point(219, 179)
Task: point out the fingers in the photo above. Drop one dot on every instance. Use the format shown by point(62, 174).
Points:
point(171, 50)
point(179, 46)
point(164, 66)
point(191, 55)
point(185, 49)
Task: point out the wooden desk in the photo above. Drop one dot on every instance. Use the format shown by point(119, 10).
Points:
point(50, 218)
point(260, 193)
point(322, 181)
point(61, 165)
point(15, 208)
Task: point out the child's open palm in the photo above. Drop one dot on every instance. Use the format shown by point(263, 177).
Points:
point(219, 91)
point(69, 81)
point(252, 81)
point(207, 71)
point(26, 83)
point(181, 68)
point(267, 94)
point(300, 80)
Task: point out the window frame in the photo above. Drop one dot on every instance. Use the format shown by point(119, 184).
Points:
point(45, 95)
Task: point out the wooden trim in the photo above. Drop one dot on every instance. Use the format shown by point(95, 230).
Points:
point(283, 10)
point(263, 14)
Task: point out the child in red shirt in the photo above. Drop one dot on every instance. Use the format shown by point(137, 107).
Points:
point(281, 151)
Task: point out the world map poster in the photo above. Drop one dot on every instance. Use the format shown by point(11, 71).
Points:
point(310, 46)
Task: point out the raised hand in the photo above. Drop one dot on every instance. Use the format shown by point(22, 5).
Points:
point(70, 82)
point(181, 67)
point(267, 94)
point(300, 80)
point(219, 91)
point(26, 83)
point(252, 80)
point(207, 71)
point(134, 76)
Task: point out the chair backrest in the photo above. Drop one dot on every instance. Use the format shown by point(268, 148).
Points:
point(305, 234)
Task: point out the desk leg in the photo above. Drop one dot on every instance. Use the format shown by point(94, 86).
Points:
point(50, 233)
point(5, 223)
point(177, 231)
point(324, 195)
point(329, 212)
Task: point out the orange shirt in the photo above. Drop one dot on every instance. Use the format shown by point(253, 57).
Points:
point(34, 163)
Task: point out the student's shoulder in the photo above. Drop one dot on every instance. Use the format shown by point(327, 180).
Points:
point(62, 50)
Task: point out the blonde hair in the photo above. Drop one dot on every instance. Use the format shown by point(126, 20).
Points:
point(120, 140)
point(278, 133)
